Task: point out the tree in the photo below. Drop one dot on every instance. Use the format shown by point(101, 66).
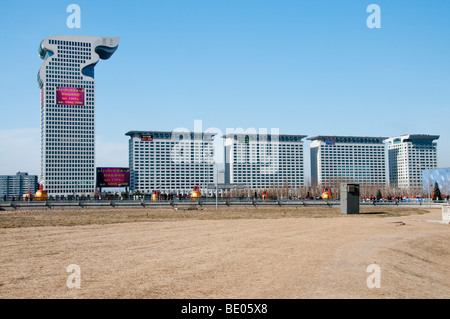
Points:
point(138, 194)
point(436, 192)
point(379, 196)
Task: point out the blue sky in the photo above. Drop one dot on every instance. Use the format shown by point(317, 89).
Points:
point(304, 67)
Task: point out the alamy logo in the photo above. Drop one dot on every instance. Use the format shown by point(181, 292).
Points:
point(374, 279)
point(374, 20)
point(189, 148)
point(74, 19)
point(74, 279)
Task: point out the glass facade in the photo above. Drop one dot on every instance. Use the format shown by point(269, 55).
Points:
point(439, 175)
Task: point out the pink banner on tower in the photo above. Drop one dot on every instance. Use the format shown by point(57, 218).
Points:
point(70, 96)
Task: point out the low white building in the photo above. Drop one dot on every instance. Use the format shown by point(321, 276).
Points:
point(409, 155)
point(264, 161)
point(358, 159)
point(170, 162)
point(17, 185)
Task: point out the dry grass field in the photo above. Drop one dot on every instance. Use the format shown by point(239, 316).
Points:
point(282, 253)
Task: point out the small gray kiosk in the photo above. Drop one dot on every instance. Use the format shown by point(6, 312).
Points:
point(349, 198)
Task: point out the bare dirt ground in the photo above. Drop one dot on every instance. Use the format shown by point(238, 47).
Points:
point(270, 253)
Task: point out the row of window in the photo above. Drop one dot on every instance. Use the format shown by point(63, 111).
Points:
point(70, 171)
point(81, 144)
point(256, 164)
point(74, 50)
point(86, 84)
point(152, 180)
point(64, 162)
point(51, 188)
point(250, 147)
point(74, 44)
point(274, 184)
point(56, 139)
point(146, 144)
point(171, 176)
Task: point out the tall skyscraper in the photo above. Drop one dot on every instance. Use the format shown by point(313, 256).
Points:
point(66, 81)
point(409, 155)
point(336, 159)
point(170, 162)
point(264, 161)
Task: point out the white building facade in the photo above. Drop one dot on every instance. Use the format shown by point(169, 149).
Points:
point(409, 155)
point(66, 81)
point(336, 159)
point(264, 161)
point(171, 162)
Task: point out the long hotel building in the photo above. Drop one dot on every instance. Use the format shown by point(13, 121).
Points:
point(409, 155)
point(170, 162)
point(264, 161)
point(336, 159)
point(66, 81)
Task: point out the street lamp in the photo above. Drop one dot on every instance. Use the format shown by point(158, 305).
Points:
point(428, 182)
point(217, 173)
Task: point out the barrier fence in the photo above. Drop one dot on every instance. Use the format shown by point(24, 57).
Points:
point(206, 202)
